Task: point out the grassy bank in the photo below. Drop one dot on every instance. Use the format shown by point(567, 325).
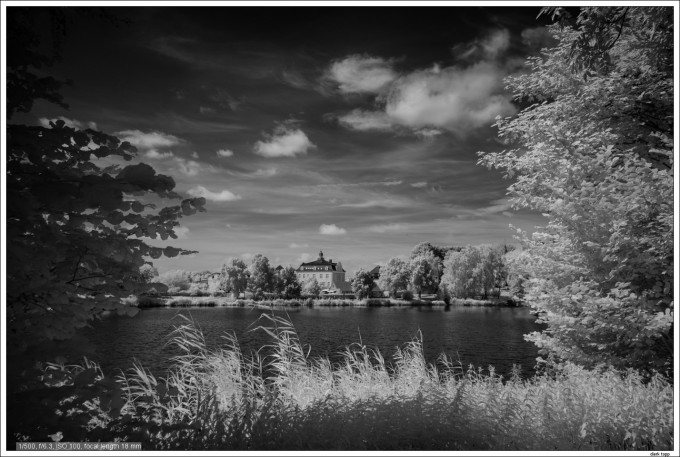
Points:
point(280, 399)
point(217, 301)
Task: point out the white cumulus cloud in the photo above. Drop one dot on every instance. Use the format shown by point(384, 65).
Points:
point(223, 196)
point(361, 74)
point(419, 184)
point(152, 144)
point(225, 153)
point(331, 229)
point(452, 98)
point(285, 142)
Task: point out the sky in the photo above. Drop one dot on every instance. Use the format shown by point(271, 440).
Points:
point(352, 130)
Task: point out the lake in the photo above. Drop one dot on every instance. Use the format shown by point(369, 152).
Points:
point(481, 336)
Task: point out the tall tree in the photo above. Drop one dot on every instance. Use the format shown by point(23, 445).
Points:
point(234, 277)
point(424, 273)
point(362, 283)
point(261, 278)
point(290, 287)
point(394, 276)
point(594, 152)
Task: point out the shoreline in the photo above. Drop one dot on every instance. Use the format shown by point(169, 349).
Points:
point(227, 302)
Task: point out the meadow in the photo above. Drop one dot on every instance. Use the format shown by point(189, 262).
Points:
point(279, 399)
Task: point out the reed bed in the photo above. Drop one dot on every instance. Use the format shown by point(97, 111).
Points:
point(281, 399)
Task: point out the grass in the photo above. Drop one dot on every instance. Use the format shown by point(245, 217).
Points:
point(280, 399)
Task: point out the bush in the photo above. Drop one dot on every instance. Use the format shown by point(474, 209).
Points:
point(406, 295)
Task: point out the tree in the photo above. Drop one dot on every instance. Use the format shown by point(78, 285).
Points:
point(148, 272)
point(290, 287)
point(394, 276)
point(311, 288)
point(175, 280)
point(234, 277)
point(594, 152)
point(362, 283)
point(491, 271)
point(436, 256)
point(261, 278)
point(462, 269)
point(424, 273)
point(76, 231)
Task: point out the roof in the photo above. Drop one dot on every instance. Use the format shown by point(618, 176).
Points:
point(375, 270)
point(320, 264)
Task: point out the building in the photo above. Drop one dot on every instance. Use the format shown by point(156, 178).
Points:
point(375, 273)
point(329, 275)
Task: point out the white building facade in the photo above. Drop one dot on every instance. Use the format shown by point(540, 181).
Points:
point(329, 275)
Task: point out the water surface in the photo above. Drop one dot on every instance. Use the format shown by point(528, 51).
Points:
point(481, 336)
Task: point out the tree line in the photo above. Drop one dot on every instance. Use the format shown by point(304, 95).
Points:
point(449, 272)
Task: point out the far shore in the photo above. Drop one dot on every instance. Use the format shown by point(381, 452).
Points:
point(229, 302)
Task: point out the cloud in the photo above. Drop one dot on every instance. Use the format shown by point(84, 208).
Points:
point(150, 143)
point(360, 74)
point(264, 172)
point(182, 232)
point(224, 196)
point(377, 203)
point(361, 120)
point(154, 154)
point(331, 229)
point(298, 246)
point(285, 142)
point(295, 79)
point(225, 153)
point(452, 98)
point(304, 257)
point(194, 155)
point(188, 167)
point(361, 184)
point(383, 228)
point(420, 184)
point(73, 123)
point(496, 43)
point(490, 47)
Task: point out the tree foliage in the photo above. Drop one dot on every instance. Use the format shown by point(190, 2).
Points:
point(261, 278)
point(234, 277)
point(311, 287)
point(595, 154)
point(424, 273)
point(475, 270)
point(362, 283)
point(77, 229)
point(395, 276)
point(289, 285)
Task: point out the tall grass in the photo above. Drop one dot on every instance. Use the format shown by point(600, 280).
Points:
point(279, 398)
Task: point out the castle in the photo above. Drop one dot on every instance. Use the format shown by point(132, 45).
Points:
point(329, 275)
